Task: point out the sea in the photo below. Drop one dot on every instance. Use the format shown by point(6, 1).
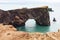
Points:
point(54, 26)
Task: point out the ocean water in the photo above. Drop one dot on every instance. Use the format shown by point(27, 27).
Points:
point(56, 14)
point(52, 28)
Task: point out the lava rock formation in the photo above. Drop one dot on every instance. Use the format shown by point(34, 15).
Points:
point(18, 17)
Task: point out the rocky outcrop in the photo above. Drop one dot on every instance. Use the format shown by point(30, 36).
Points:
point(7, 28)
point(18, 17)
point(8, 32)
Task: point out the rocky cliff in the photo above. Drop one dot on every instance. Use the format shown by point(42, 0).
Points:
point(18, 17)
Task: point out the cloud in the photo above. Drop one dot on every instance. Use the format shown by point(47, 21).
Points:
point(21, 1)
point(12, 4)
point(51, 1)
point(2, 1)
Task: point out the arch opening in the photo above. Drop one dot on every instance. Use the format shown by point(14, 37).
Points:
point(30, 23)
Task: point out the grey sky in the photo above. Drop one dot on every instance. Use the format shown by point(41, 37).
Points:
point(12, 4)
point(30, 1)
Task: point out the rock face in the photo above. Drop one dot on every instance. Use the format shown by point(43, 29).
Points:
point(18, 17)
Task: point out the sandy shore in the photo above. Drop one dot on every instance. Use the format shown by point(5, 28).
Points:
point(8, 32)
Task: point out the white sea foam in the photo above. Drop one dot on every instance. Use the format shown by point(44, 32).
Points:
point(30, 23)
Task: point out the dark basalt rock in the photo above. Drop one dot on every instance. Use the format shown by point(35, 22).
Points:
point(18, 17)
point(54, 20)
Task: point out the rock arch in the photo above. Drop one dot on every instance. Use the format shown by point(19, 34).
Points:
point(19, 16)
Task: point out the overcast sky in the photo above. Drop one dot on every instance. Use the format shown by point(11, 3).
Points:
point(29, 1)
point(12, 4)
